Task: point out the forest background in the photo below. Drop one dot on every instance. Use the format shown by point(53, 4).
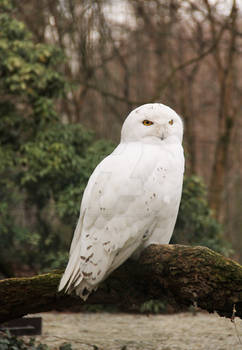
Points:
point(71, 71)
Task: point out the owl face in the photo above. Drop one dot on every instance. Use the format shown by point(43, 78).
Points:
point(152, 123)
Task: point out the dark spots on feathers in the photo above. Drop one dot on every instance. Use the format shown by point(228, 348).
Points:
point(86, 274)
point(145, 235)
point(90, 256)
point(89, 247)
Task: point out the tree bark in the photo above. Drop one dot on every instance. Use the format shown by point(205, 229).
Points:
point(184, 275)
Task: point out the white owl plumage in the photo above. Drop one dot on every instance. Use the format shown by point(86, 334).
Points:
point(131, 199)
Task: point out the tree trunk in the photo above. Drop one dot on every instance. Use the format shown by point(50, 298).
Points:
point(224, 56)
point(183, 275)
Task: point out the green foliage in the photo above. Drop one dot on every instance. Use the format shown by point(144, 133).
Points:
point(195, 223)
point(27, 68)
point(11, 342)
point(44, 164)
point(153, 306)
point(28, 84)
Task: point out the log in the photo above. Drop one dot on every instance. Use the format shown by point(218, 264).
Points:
point(182, 274)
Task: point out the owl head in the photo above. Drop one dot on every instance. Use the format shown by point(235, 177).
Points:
point(152, 123)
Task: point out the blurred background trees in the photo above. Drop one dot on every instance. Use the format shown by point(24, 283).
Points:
point(70, 73)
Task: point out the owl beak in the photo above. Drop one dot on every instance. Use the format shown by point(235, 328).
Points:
point(160, 131)
point(163, 132)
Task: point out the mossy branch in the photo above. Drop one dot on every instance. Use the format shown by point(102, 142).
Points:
point(182, 274)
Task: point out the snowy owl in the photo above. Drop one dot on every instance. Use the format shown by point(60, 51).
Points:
point(131, 199)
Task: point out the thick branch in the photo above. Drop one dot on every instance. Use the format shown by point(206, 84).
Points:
point(183, 274)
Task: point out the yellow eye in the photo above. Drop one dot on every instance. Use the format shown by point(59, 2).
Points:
point(147, 122)
point(171, 122)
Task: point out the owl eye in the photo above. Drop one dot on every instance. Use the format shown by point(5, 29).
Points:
point(147, 122)
point(171, 122)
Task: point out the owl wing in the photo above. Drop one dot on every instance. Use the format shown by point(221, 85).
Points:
point(119, 211)
point(110, 222)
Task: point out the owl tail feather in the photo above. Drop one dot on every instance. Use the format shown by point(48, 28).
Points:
point(71, 273)
point(73, 278)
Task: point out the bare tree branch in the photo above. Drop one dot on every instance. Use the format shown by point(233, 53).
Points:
point(185, 64)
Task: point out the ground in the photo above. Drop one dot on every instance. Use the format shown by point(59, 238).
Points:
point(105, 331)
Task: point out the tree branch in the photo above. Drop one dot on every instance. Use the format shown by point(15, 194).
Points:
point(183, 274)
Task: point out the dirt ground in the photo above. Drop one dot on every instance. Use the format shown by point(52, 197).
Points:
point(104, 331)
